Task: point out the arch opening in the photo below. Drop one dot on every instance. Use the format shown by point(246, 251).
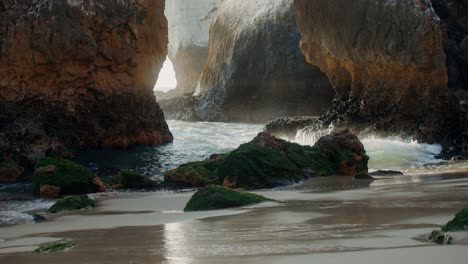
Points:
point(167, 77)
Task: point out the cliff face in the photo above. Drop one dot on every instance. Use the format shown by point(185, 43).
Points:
point(255, 70)
point(454, 18)
point(386, 62)
point(189, 24)
point(80, 73)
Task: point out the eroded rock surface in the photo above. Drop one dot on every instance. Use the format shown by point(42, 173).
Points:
point(80, 73)
point(255, 70)
point(189, 25)
point(386, 62)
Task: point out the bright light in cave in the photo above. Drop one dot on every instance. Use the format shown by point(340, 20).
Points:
point(166, 79)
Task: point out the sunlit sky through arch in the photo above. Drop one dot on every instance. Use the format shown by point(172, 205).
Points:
point(166, 79)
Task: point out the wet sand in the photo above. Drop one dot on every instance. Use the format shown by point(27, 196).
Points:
point(322, 221)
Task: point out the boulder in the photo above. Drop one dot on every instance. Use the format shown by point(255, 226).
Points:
point(70, 203)
point(267, 162)
point(386, 62)
point(439, 237)
point(38, 218)
point(215, 197)
point(195, 174)
point(459, 223)
point(129, 179)
point(80, 73)
point(346, 149)
point(68, 176)
point(10, 171)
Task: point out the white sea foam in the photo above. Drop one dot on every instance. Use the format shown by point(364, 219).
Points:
point(17, 211)
point(389, 153)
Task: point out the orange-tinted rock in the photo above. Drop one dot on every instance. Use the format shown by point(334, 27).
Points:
point(80, 73)
point(228, 184)
point(10, 171)
point(346, 148)
point(98, 182)
point(185, 177)
point(50, 191)
point(386, 62)
point(45, 170)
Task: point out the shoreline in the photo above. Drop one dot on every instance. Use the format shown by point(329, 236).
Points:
point(360, 218)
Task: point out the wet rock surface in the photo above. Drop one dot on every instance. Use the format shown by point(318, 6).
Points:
point(55, 177)
point(70, 203)
point(386, 62)
point(217, 197)
point(72, 70)
point(267, 162)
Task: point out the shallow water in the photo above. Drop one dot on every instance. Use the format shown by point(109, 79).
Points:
point(192, 141)
point(395, 153)
point(304, 222)
point(197, 141)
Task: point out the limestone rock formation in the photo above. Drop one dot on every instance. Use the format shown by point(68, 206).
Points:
point(386, 62)
point(189, 24)
point(80, 72)
point(255, 70)
point(454, 18)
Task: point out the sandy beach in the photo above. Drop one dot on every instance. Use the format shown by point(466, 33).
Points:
point(337, 220)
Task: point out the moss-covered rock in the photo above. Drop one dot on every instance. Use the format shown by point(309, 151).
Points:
point(267, 162)
point(459, 223)
point(70, 203)
point(215, 197)
point(10, 171)
point(129, 179)
point(346, 150)
point(69, 176)
point(196, 174)
point(54, 247)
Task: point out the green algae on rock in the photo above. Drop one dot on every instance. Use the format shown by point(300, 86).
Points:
point(266, 162)
point(69, 176)
point(196, 174)
point(215, 197)
point(129, 179)
point(54, 247)
point(70, 203)
point(459, 223)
